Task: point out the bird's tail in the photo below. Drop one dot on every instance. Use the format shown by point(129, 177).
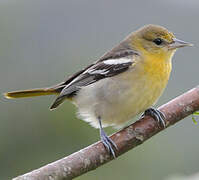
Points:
point(32, 92)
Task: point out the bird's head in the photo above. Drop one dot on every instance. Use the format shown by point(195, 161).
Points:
point(156, 41)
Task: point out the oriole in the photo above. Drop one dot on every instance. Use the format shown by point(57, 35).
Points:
point(124, 82)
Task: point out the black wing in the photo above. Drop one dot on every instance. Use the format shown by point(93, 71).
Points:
point(116, 61)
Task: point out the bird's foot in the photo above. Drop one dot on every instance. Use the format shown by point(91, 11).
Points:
point(157, 115)
point(108, 143)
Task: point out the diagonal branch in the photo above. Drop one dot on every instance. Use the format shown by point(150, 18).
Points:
point(96, 155)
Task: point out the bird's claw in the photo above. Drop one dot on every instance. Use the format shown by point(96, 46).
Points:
point(157, 115)
point(108, 143)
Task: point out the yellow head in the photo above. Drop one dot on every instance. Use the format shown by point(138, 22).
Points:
point(155, 41)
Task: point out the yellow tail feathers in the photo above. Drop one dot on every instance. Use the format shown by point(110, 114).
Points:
point(30, 93)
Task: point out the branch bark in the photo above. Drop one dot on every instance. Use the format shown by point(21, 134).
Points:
point(96, 155)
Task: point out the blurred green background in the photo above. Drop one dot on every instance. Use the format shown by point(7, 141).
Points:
point(44, 41)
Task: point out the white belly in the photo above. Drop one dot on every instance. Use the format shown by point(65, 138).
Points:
point(116, 101)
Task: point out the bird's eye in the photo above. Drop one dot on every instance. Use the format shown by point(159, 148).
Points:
point(158, 41)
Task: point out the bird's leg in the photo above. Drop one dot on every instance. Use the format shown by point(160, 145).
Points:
point(108, 142)
point(157, 115)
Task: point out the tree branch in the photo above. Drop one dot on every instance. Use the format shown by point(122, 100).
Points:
point(96, 155)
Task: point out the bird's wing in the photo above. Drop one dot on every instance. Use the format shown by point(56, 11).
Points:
point(116, 61)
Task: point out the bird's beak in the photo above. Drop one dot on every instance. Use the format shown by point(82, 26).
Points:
point(178, 44)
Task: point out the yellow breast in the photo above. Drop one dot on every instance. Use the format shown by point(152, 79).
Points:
point(157, 69)
point(155, 72)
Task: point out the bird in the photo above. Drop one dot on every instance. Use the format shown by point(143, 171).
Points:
point(126, 81)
